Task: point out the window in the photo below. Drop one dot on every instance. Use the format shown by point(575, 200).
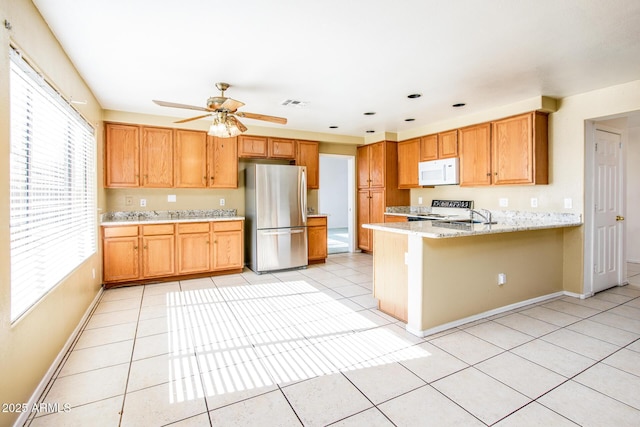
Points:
point(52, 218)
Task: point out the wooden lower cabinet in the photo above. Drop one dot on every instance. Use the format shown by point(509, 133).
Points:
point(395, 218)
point(371, 206)
point(141, 253)
point(227, 245)
point(317, 236)
point(158, 250)
point(121, 254)
point(194, 247)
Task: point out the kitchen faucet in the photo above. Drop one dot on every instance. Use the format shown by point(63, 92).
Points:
point(486, 216)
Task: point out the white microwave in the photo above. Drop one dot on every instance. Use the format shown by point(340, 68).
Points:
point(439, 172)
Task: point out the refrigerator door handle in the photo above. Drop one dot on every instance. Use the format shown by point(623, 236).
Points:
point(282, 233)
point(303, 196)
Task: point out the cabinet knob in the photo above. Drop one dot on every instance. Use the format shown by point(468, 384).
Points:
point(488, 173)
point(144, 247)
point(135, 247)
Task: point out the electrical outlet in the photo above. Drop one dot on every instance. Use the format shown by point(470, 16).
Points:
point(502, 279)
point(143, 203)
point(419, 200)
point(171, 198)
point(221, 202)
point(128, 200)
point(504, 202)
point(534, 202)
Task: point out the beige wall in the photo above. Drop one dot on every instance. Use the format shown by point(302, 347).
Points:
point(28, 347)
point(532, 261)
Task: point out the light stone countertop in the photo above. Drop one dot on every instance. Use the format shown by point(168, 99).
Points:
point(506, 222)
point(163, 217)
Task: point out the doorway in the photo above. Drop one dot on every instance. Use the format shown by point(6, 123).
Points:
point(612, 238)
point(336, 198)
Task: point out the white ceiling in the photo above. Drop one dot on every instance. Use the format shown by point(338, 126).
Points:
point(346, 57)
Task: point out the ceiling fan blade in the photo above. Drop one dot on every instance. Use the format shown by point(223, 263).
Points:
point(174, 105)
point(193, 118)
point(238, 123)
point(273, 119)
point(231, 105)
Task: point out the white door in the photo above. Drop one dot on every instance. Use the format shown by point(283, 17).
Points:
point(608, 229)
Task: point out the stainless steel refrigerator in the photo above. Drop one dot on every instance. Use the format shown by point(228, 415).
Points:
point(275, 217)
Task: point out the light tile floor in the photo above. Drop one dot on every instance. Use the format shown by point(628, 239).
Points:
point(309, 348)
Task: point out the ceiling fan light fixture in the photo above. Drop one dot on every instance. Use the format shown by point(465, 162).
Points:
point(222, 127)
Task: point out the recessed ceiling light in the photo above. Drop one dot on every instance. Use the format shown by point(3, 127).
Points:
point(333, 127)
point(409, 120)
point(371, 131)
point(414, 95)
point(458, 105)
point(369, 113)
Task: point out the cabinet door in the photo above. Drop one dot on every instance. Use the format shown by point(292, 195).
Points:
point(377, 206)
point(364, 235)
point(308, 155)
point(363, 167)
point(158, 255)
point(377, 164)
point(282, 148)
point(408, 158)
point(429, 148)
point(475, 155)
point(317, 234)
point(223, 162)
point(252, 146)
point(190, 159)
point(156, 157)
point(122, 162)
point(227, 250)
point(512, 149)
point(194, 253)
point(448, 144)
point(121, 259)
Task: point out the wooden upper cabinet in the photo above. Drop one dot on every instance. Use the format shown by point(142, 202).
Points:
point(520, 150)
point(281, 148)
point(308, 155)
point(371, 165)
point(156, 157)
point(252, 146)
point(222, 162)
point(475, 155)
point(408, 159)
point(448, 144)
point(122, 163)
point(428, 148)
point(190, 159)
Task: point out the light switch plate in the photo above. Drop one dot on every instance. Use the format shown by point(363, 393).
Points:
point(171, 198)
point(419, 200)
point(568, 203)
point(504, 202)
point(143, 203)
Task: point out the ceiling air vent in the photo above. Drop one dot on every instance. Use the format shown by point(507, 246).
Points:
point(293, 103)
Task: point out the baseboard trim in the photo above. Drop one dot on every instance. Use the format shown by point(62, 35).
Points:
point(35, 396)
point(484, 315)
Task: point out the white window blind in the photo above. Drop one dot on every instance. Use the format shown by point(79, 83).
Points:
point(53, 187)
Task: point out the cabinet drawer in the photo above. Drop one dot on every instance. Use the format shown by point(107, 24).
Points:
point(226, 225)
point(121, 231)
point(157, 229)
point(317, 221)
point(195, 227)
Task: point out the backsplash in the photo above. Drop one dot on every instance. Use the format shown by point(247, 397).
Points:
point(161, 215)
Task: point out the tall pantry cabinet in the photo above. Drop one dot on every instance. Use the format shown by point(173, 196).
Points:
point(377, 187)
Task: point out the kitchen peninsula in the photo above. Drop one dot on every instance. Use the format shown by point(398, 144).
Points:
point(438, 274)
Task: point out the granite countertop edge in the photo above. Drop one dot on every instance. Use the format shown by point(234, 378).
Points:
point(427, 229)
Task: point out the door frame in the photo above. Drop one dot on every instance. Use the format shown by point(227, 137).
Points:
point(591, 126)
point(351, 196)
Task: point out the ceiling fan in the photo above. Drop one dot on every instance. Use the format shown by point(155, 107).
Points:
point(224, 111)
